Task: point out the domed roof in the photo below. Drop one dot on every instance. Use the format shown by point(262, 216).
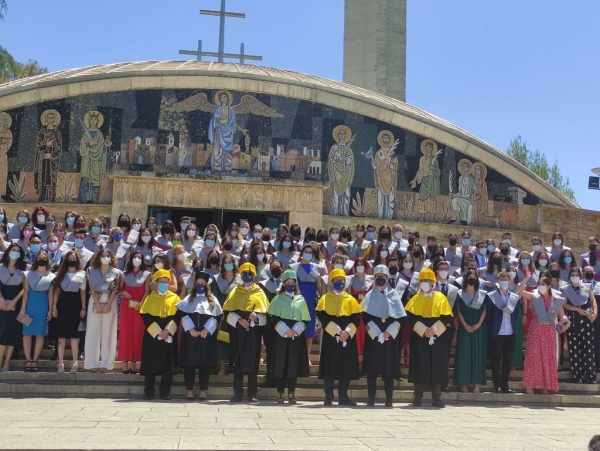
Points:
point(268, 80)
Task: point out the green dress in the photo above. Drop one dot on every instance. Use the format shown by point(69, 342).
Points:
point(517, 358)
point(471, 349)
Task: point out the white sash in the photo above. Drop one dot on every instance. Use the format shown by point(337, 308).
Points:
point(577, 299)
point(303, 276)
point(7, 279)
point(474, 302)
point(73, 281)
point(136, 280)
point(452, 293)
point(103, 283)
point(546, 317)
point(513, 300)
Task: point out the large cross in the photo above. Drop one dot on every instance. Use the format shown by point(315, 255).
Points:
point(221, 55)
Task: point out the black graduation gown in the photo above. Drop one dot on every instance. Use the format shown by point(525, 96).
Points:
point(338, 361)
point(244, 346)
point(198, 352)
point(429, 364)
point(158, 356)
point(381, 359)
point(288, 358)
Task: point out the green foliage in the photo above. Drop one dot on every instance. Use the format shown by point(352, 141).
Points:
point(537, 163)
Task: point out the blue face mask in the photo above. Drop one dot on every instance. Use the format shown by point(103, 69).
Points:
point(503, 284)
point(228, 266)
point(568, 260)
point(70, 221)
point(1, 217)
point(247, 277)
point(184, 225)
point(370, 235)
point(306, 256)
point(118, 236)
point(162, 288)
point(466, 241)
point(35, 248)
point(96, 229)
point(290, 288)
point(491, 248)
point(23, 220)
point(525, 261)
point(339, 286)
point(381, 281)
point(210, 243)
point(14, 255)
point(287, 244)
point(200, 289)
point(78, 242)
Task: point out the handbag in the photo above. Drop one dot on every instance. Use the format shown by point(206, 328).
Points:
point(102, 301)
point(26, 320)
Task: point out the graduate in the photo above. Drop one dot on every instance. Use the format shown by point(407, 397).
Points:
point(288, 359)
point(200, 314)
point(158, 347)
point(429, 314)
point(246, 311)
point(382, 312)
point(339, 313)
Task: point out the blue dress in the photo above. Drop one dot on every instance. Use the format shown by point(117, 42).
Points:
point(309, 292)
point(37, 303)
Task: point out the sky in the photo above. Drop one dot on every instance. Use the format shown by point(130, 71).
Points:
point(495, 68)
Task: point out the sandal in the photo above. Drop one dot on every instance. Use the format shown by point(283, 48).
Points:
point(292, 399)
point(75, 367)
point(34, 369)
point(28, 366)
point(202, 396)
point(104, 370)
point(94, 370)
point(189, 395)
point(280, 399)
point(60, 368)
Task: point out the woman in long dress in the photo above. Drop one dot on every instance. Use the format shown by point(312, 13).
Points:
point(360, 285)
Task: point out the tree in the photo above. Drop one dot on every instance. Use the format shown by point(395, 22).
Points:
point(537, 163)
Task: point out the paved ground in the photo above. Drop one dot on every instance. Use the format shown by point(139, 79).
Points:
point(53, 423)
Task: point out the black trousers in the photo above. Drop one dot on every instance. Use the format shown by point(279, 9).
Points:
point(164, 389)
point(343, 384)
point(291, 384)
point(388, 386)
point(436, 391)
point(189, 374)
point(503, 347)
point(238, 380)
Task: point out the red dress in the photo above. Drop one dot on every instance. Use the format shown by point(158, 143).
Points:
point(132, 328)
point(359, 294)
point(540, 355)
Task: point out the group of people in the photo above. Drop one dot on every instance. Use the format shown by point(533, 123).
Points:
point(177, 296)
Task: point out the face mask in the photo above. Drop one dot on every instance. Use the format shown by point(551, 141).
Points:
point(491, 248)
point(96, 229)
point(276, 272)
point(209, 243)
point(453, 242)
point(512, 275)
point(537, 248)
point(542, 289)
point(27, 233)
point(338, 266)
point(184, 226)
point(233, 233)
point(78, 242)
point(466, 241)
point(43, 263)
point(137, 262)
point(159, 265)
point(339, 286)
point(152, 226)
point(393, 270)
point(287, 244)
point(345, 234)
point(167, 231)
point(306, 256)
point(555, 274)
point(191, 233)
point(228, 246)
point(482, 251)
point(228, 266)
point(416, 254)
point(247, 277)
point(260, 257)
point(41, 218)
point(568, 260)
point(575, 280)
point(35, 248)
point(425, 286)
point(244, 230)
point(310, 237)
point(383, 254)
point(381, 281)
point(52, 246)
point(557, 242)
point(407, 265)
point(496, 260)
point(290, 288)
point(360, 234)
point(14, 255)
point(370, 235)
point(258, 235)
point(23, 220)
point(200, 289)
point(266, 238)
point(59, 234)
point(398, 235)
point(80, 225)
point(105, 260)
point(124, 224)
point(137, 227)
point(385, 235)
point(162, 288)
point(471, 282)
point(335, 236)
point(181, 257)
point(507, 241)
point(525, 261)
point(118, 237)
point(71, 264)
point(1, 217)
point(213, 260)
point(504, 284)
point(589, 276)
point(146, 239)
point(70, 220)
point(504, 251)
point(543, 262)
point(443, 274)
point(360, 269)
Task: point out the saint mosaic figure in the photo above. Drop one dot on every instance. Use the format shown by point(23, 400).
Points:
point(47, 156)
point(340, 168)
point(428, 176)
point(481, 215)
point(462, 201)
point(6, 140)
point(93, 157)
point(385, 172)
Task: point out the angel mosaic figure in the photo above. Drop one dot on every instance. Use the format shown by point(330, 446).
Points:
point(340, 168)
point(47, 155)
point(385, 168)
point(93, 157)
point(6, 140)
point(223, 125)
point(428, 176)
point(462, 201)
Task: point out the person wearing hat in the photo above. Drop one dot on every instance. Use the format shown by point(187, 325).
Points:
point(429, 314)
point(200, 314)
point(382, 312)
point(288, 358)
point(339, 313)
point(246, 312)
point(158, 347)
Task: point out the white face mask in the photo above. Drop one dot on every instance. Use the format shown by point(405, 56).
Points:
point(443, 274)
point(398, 235)
point(159, 265)
point(41, 218)
point(136, 262)
point(512, 275)
point(482, 251)
point(542, 289)
point(425, 286)
point(360, 269)
point(136, 227)
point(146, 239)
point(557, 242)
point(537, 248)
point(181, 257)
point(335, 236)
point(507, 240)
point(244, 230)
point(52, 246)
point(257, 234)
point(360, 234)
point(233, 233)
point(407, 265)
point(260, 257)
point(191, 233)
point(338, 266)
point(105, 260)
point(543, 262)
point(575, 280)
point(383, 254)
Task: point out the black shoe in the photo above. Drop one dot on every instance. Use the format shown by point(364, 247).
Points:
point(236, 399)
point(446, 389)
point(416, 403)
point(252, 400)
point(328, 402)
point(439, 404)
point(148, 396)
point(346, 402)
point(371, 403)
point(389, 404)
point(508, 391)
point(498, 390)
point(165, 397)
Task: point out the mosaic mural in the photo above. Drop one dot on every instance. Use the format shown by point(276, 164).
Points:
point(63, 150)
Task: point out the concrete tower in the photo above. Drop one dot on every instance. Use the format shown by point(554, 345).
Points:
point(375, 46)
